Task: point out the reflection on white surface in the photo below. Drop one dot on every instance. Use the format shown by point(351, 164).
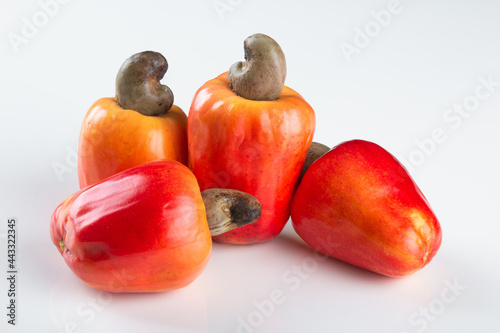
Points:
point(75, 307)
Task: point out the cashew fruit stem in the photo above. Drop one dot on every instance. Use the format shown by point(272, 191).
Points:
point(315, 151)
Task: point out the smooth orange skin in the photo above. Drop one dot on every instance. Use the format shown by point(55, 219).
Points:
point(141, 230)
point(113, 139)
point(357, 203)
point(253, 146)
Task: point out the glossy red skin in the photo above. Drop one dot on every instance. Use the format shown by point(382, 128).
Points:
point(141, 230)
point(253, 146)
point(357, 203)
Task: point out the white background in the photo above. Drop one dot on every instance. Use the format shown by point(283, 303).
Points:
point(399, 88)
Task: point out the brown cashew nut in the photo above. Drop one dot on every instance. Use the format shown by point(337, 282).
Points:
point(262, 75)
point(315, 151)
point(138, 84)
point(229, 209)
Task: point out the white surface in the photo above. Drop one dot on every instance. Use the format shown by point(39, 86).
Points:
point(395, 91)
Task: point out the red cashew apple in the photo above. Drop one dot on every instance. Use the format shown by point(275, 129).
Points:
point(357, 203)
point(249, 130)
point(145, 228)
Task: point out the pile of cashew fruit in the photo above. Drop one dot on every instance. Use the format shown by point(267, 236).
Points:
point(158, 187)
